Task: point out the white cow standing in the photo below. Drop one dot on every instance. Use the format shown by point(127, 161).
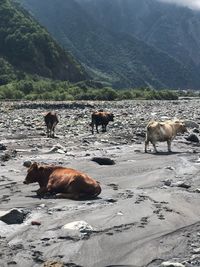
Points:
point(163, 132)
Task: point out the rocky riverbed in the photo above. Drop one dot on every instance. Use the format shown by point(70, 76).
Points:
point(148, 212)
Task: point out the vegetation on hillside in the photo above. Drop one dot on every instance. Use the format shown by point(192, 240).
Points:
point(37, 89)
point(27, 47)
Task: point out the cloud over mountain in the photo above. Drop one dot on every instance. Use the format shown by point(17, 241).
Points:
point(194, 4)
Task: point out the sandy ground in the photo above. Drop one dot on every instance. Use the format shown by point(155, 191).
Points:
point(148, 211)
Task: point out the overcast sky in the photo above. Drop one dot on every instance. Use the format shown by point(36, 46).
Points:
point(195, 4)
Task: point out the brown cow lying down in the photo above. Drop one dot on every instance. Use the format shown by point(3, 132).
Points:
point(163, 132)
point(67, 183)
point(51, 120)
point(101, 118)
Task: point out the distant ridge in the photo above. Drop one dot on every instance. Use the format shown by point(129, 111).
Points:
point(116, 53)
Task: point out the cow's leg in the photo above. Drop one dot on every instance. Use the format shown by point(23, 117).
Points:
point(169, 145)
point(53, 129)
point(53, 132)
point(146, 145)
point(92, 126)
point(72, 190)
point(97, 128)
point(47, 131)
point(155, 149)
point(41, 191)
point(104, 128)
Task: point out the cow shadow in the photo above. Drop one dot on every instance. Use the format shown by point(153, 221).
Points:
point(165, 153)
point(53, 196)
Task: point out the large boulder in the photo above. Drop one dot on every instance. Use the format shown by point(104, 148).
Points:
point(191, 124)
point(13, 216)
point(192, 138)
point(103, 161)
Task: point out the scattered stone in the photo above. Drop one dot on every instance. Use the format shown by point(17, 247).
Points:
point(169, 168)
point(172, 264)
point(103, 161)
point(195, 130)
point(181, 184)
point(35, 223)
point(8, 155)
point(192, 138)
point(80, 226)
point(53, 264)
point(27, 163)
point(168, 182)
point(140, 134)
point(196, 251)
point(111, 200)
point(3, 147)
point(13, 216)
point(12, 263)
point(191, 124)
point(137, 150)
point(57, 149)
point(42, 206)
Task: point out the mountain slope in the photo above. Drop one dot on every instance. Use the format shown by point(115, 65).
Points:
point(117, 58)
point(27, 47)
point(171, 28)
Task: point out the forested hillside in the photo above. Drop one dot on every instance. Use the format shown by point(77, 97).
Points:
point(171, 28)
point(26, 47)
point(112, 55)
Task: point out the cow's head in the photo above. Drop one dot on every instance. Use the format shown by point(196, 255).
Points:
point(111, 116)
point(32, 174)
point(182, 127)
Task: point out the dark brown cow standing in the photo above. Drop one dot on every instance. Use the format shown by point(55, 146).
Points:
point(51, 120)
point(67, 183)
point(101, 118)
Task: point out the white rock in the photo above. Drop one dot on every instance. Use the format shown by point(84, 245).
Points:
point(172, 264)
point(81, 226)
point(196, 251)
point(181, 184)
point(164, 118)
point(57, 148)
point(42, 206)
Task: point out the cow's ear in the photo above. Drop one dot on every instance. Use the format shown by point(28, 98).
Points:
point(34, 166)
point(41, 168)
